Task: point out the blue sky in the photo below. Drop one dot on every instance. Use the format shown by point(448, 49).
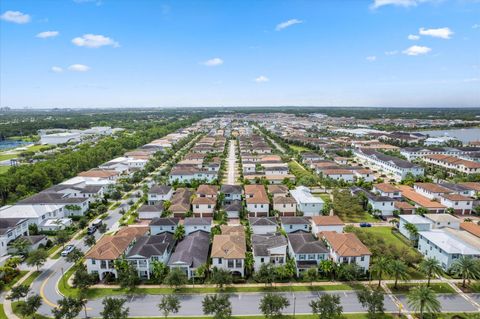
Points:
point(119, 53)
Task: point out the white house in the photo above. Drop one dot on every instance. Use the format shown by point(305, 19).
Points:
point(461, 204)
point(263, 225)
point(285, 205)
point(11, 229)
point(387, 190)
point(151, 211)
point(346, 248)
point(54, 224)
point(447, 245)
point(191, 252)
point(339, 174)
point(306, 250)
point(421, 223)
point(203, 206)
point(326, 223)
point(228, 252)
point(193, 224)
point(443, 220)
point(34, 214)
point(269, 249)
point(166, 224)
point(159, 193)
point(293, 224)
point(147, 250)
point(308, 204)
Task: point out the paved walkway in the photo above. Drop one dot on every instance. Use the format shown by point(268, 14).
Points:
point(232, 163)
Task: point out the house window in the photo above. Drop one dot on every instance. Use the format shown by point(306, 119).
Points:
point(230, 263)
point(261, 260)
point(220, 261)
point(362, 258)
point(94, 262)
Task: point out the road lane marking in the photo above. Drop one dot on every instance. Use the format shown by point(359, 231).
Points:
point(42, 294)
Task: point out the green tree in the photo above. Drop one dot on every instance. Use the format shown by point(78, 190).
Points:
point(169, 304)
point(265, 274)
point(75, 255)
point(327, 267)
point(68, 308)
point(423, 299)
point(221, 277)
point(327, 306)
point(373, 301)
point(30, 306)
point(311, 275)
point(430, 267)
point(159, 271)
point(217, 305)
point(17, 292)
point(127, 274)
point(379, 267)
point(82, 279)
point(21, 246)
point(179, 232)
point(114, 308)
point(62, 237)
point(37, 258)
point(467, 268)
point(412, 231)
point(399, 270)
point(90, 240)
point(272, 305)
point(176, 278)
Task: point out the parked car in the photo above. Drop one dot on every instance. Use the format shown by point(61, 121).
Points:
point(97, 222)
point(67, 250)
point(91, 230)
point(365, 225)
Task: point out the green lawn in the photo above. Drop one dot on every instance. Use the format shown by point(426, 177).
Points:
point(4, 169)
point(4, 156)
point(31, 278)
point(53, 249)
point(2, 312)
point(363, 217)
point(299, 149)
point(15, 311)
point(323, 196)
point(440, 288)
point(473, 287)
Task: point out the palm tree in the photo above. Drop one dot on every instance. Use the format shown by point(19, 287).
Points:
point(380, 266)
point(327, 267)
point(399, 270)
point(467, 268)
point(423, 299)
point(412, 231)
point(430, 267)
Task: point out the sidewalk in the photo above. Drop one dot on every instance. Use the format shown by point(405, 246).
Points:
point(7, 304)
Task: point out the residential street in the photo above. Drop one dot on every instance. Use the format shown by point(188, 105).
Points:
point(232, 158)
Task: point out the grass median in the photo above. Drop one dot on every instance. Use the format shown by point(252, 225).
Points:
point(440, 288)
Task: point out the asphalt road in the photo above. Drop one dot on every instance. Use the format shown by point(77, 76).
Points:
point(231, 163)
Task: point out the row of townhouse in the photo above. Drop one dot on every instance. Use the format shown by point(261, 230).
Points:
point(412, 153)
point(442, 237)
point(201, 163)
point(52, 208)
point(143, 246)
point(338, 170)
point(395, 167)
point(453, 163)
point(435, 198)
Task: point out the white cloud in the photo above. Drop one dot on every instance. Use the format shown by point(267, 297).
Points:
point(443, 33)
point(287, 24)
point(94, 41)
point(213, 62)
point(79, 68)
point(371, 58)
point(413, 37)
point(47, 34)
point(15, 17)
point(476, 26)
point(393, 52)
point(262, 79)
point(57, 69)
point(402, 3)
point(416, 50)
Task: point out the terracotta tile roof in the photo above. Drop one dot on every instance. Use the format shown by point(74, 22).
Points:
point(337, 171)
point(456, 197)
point(471, 227)
point(229, 246)
point(284, 200)
point(110, 247)
point(203, 201)
point(277, 189)
point(345, 244)
point(101, 173)
point(403, 205)
point(434, 188)
point(207, 189)
point(423, 201)
point(327, 220)
point(232, 230)
point(386, 187)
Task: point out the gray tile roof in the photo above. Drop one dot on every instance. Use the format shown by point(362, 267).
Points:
point(294, 220)
point(192, 250)
point(262, 221)
point(148, 246)
point(160, 189)
point(165, 221)
point(262, 243)
point(306, 243)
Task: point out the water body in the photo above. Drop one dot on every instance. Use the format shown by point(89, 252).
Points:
point(464, 134)
point(7, 144)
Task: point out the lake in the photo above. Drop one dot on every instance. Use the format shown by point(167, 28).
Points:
point(7, 144)
point(464, 134)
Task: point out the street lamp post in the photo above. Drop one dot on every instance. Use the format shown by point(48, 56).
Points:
point(294, 302)
point(63, 278)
